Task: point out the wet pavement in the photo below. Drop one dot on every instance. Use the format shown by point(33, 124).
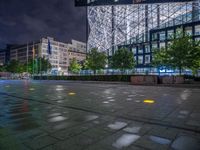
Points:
point(56, 115)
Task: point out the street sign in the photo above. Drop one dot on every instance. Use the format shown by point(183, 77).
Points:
point(122, 2)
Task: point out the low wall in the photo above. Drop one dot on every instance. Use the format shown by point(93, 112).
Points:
point(172, 80)
point(133, 79)
point(144, 80)
point(5, 74)
point(118, 78)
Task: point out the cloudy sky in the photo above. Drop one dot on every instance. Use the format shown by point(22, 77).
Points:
point(28, 20)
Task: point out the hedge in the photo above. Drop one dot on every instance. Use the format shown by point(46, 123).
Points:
point(120, 78)
point(116, 78)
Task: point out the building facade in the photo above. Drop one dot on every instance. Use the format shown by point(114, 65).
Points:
point(140, 28)
point(77, 50)
point(2, 57)
point(159, 38)
point(61, 53)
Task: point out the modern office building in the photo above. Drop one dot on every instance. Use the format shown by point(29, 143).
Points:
point(2, 57)
point(140, 28)
point(77, 50)
point(60, 56)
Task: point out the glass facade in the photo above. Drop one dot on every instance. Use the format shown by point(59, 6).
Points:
point(110, 26)
point(141, 28)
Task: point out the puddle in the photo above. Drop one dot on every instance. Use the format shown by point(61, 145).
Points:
point(54, 114)
point(96, 122)
point(137, 101)
point(132, 129)
point(131, 95)
point(195, 115)
point(117, 125)
point(184, 112)
point(111, 100)
point(91, 117)
point(129, 99)
point(109, 97)
point(57, 118)
point(61, 126)
point(125, 92)
point(185, 94)
point(160, 140)
point(125, 140)
point(181, 116)
point(186, 143)
point(59, 89)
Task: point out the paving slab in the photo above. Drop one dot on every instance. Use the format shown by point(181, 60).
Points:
point(93, 116)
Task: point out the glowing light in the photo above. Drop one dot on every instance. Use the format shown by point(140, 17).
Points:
point(7, 86)
point(31, 89)
point(149, 101)
point(71, 93)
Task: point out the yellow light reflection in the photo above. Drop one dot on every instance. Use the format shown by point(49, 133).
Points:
point(149, 101)
point(71, 93)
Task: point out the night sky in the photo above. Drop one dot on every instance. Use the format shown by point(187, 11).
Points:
point(27, 20)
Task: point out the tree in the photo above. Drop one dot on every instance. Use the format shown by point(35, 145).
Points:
point(74, 67)
point(39, 65)
point(160, 58)
point(182, 52)
point(3, 68)
point(15, 67)
point(95, 60)
point(195, 61)
point(43, 64)
point(122, 59)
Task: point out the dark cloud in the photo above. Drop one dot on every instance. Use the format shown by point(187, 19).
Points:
point(28, 20)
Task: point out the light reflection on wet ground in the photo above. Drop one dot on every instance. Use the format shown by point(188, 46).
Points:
point(56, 115)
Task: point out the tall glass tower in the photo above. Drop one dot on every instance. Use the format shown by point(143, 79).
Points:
point(110, 26)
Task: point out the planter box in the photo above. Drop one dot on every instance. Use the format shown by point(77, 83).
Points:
point(167, 80)
point(179, 80)
point(172, 80)
point(144, 80)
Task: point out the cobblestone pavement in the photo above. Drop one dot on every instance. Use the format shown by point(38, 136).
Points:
point(55, 115)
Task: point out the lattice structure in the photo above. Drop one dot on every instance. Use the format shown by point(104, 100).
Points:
point(114, 25)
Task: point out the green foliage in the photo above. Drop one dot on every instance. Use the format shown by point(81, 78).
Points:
point(95, 60)
point(3, 68)
point(160, 58)
point(74, 67)
point(122, 59)
point(38, 65)
point(181, 53)
point(15, 67)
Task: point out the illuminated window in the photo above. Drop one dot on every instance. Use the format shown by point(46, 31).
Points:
point(134, 50)
point(147, 59)
point(188, 30)
point(162, 36)
point(140, 59)
point(170, 34)
point(140, 49)
point(162, 45)
point(147, 49)
point(197, 30)
point(154, 46)
point(154, 36)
